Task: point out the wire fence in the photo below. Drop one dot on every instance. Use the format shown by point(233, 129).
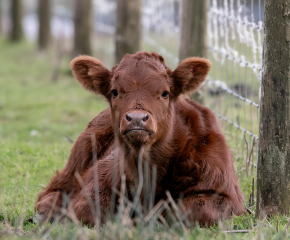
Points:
point(235, 35)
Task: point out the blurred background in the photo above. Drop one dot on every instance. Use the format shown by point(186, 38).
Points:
point(38, 39)
point(107, 27)
point(228, 32)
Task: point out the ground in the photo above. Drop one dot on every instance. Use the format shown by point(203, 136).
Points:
point(38, 120)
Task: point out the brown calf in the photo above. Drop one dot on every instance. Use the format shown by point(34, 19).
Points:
point(148, 120)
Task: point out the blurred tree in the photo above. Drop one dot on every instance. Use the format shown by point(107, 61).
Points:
point(16, 33)
point(128, 32)
point(193, 40)
point(83, 27)
point(0, 17)
point(44, 15)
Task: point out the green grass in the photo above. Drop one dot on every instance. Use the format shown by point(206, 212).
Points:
point(31, 103)
point(36, 115)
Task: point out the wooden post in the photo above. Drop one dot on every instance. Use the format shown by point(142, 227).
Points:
point(128, 33)
point(44, 14)
point(16, 33)
point(193, 26)
point(273, 180)
point(83, 27)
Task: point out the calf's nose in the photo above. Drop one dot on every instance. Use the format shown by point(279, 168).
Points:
point(137, 119)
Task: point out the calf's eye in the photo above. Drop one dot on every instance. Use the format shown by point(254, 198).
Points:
point(115, 93)
point(164, 94)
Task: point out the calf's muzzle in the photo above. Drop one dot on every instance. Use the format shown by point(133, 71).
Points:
point(137, 126)
point(137, 119)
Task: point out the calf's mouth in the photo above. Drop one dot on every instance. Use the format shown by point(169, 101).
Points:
point(137, 136)
point(138, 131)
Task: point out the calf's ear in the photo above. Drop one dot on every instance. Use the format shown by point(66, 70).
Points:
point(189, 75)
point(91, 74)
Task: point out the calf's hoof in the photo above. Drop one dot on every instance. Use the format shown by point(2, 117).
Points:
point(38, 218)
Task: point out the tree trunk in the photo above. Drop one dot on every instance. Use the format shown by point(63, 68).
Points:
point(128, 33)
point(273, 180)
point(16, 20)
point(193, 26)
point(44, 14)
point(83, 27)
point(1, 17)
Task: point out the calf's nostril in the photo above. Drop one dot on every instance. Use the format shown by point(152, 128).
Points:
point(145, 118)
point(128, 118)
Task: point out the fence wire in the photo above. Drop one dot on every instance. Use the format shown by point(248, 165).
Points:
point(235, 35)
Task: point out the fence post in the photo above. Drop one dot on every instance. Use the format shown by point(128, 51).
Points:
point(83, 27)
point(44, 13)
point(128, 33)
point(16, 32)
point(193, 26)
point(273, 179)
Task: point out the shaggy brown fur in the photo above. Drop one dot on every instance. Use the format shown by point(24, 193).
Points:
point(147, 112)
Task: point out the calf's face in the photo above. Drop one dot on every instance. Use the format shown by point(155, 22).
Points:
point(140, 100)
point(141, 91)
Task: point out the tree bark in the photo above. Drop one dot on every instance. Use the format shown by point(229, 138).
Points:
point(273, 179)
point(128, 32)
point(193, 26)
point(83, 27)
point(44, 15)
point(16, 20)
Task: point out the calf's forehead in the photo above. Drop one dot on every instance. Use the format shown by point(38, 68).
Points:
point(133, 74)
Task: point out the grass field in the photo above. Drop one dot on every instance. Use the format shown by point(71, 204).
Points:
point(36, 118)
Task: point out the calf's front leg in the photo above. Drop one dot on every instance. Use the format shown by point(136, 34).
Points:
point(80, 159)
point(208, 208)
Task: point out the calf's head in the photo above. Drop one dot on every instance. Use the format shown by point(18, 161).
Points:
point(141, 91)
